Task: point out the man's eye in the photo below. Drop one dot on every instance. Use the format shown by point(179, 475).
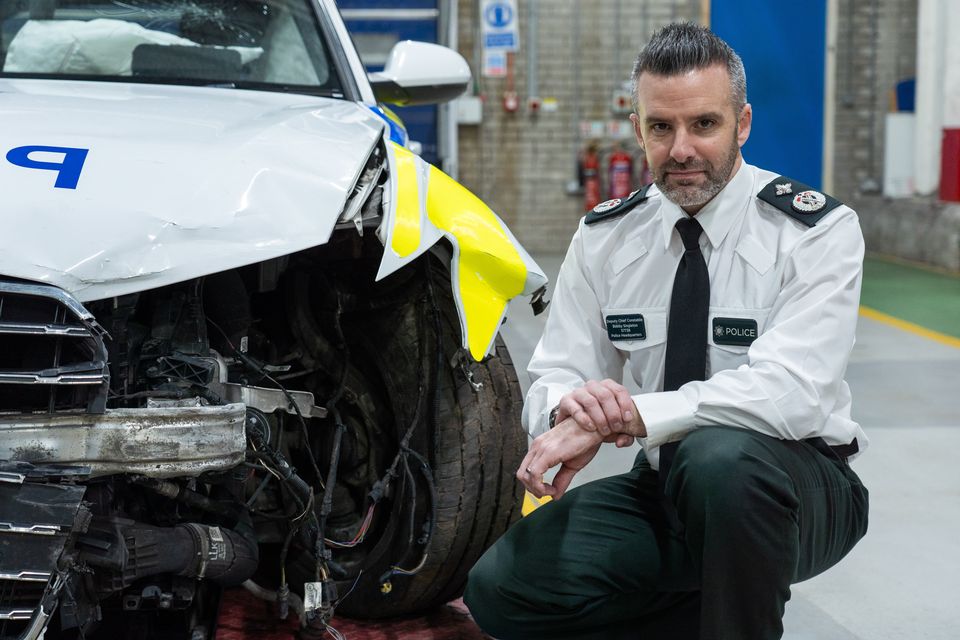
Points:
point(659, 127)
point(706, 123)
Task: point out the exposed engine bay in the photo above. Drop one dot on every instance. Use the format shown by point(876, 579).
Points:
point(264, 426)
point(248, 338)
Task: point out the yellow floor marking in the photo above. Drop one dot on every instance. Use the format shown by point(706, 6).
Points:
point(909, 327)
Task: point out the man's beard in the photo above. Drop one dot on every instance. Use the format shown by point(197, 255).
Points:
point(715, 179)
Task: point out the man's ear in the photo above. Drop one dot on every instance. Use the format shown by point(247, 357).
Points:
point(638, 130)
point(743, 124)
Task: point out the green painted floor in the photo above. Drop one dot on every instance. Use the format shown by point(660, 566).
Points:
point(924, 297)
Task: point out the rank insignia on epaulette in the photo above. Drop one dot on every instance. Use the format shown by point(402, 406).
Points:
point(809, 201)
point(606, 206)
point(617, 206)
point(785, 188)
point(798, 200)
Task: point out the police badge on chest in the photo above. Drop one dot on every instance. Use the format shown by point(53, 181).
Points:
point(739, 332)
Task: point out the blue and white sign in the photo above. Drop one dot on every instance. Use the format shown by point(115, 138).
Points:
point(495, 64)
point(500, 31)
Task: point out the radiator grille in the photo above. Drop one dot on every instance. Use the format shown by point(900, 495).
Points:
point(19, 601)
point(52, 352)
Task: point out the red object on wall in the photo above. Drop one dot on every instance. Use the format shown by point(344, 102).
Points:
point(950, 166)
point(620, 168)
point(590, 177)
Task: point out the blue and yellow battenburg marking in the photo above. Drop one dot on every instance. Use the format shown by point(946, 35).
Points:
point(489, 268)
point(398, 130)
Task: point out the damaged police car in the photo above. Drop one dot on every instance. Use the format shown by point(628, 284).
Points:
point(245, 337)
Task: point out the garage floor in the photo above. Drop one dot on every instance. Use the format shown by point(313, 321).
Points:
point(903, 579)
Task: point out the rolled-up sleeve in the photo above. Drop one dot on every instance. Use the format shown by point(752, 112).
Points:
point(795, 370)
point(574, 347)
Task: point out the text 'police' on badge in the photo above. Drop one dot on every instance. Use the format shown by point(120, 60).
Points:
point(734, 331)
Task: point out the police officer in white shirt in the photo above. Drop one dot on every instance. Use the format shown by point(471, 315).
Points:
point(731, 294)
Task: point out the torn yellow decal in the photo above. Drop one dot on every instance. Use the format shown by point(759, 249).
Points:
point(406, 228)
point(490, 269)
point(531, 503)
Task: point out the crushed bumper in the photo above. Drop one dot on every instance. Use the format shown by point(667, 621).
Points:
point(158, 442)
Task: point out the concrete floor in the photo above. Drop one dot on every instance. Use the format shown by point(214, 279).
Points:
point(900, 580)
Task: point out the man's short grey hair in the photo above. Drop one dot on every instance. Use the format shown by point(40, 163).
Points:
point(684, 46)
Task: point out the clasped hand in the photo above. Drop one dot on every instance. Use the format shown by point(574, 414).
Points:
point(589, 416)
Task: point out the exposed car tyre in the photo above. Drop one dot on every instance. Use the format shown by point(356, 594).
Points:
point(454, 493)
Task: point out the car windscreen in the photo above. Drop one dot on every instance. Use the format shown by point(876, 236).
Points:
point(263, 44)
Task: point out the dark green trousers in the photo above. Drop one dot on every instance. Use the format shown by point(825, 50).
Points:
point(756, 514)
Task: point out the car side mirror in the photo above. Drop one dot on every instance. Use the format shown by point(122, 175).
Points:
point(420, 73)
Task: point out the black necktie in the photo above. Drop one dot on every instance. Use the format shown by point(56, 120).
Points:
point(689, 307)
point(686, 357)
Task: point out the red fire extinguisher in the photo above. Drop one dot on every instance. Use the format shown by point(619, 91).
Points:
point(589, 170)
point(620, 168)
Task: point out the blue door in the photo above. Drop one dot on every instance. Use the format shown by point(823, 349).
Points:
point(376, 25)
point(783, 48)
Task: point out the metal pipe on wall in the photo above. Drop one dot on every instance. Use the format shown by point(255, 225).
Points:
point(533, 81)
point(830, 97)
point(448, 138)
point(931, 52)
point(871, 184)
point(617, 19)
point(573, 185)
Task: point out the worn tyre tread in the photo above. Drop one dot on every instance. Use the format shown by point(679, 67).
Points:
point(479, 444)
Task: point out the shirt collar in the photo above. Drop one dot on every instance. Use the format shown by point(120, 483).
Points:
point(719, 215)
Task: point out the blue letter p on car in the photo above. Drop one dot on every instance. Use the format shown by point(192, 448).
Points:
point(68, 169)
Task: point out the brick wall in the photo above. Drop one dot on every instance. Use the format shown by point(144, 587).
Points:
point(519, 163)
point(876, 48)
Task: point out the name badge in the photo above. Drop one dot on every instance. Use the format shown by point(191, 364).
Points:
point(628, 326)
point(734, 331)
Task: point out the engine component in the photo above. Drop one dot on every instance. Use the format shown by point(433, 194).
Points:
point(270, 400)
point(293, 600)
point(183, 367)
point(125, 551)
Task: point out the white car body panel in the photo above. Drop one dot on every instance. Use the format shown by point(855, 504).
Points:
point(277, 169)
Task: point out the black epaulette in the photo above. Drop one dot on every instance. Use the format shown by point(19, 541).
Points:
point(617, 207)
point(798, 200)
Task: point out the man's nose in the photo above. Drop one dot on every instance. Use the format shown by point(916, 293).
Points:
point(682, 148)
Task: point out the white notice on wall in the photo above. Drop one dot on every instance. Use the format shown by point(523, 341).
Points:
point(499, 19)
point(495, 64)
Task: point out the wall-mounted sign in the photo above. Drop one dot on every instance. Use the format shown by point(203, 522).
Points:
point(499, 19)
point(495, 64)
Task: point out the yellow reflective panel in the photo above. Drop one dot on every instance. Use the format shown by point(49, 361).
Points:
point(532, 503)
point(491, 270)
point(406, 226)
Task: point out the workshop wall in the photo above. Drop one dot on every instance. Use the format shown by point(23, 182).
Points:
point(520, 163)
point(876, 48)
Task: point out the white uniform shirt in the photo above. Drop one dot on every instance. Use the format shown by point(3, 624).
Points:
point(800, 284)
